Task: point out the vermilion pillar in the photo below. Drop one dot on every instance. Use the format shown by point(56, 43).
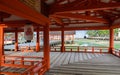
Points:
point(1, 43)
point(16, 40)
point(46, 46)
point(111, 46)
point(37, 41)
point(62, 38)
point(72, 39)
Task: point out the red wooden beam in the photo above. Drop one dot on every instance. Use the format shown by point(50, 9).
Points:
point(81, 17)
point(72, 4)
point(79, 23)
point(115, 26)
point(57, 20)
point(81, 28)
point(116, 23)
point(16, 22)
point(18, 8)
point(20, 30)
point(88, 7)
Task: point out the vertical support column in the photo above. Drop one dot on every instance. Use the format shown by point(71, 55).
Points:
point(72, 38)
point(62, 38)
point(111, 43)
point(16, 40)
point(1, 43)
point(46, 46)
point(37, 41)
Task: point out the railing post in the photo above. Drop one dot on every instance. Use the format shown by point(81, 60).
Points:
point(119, 52)
point(12, 61)
point(32, 63)
point(25, 74)
point(64, 49)
point(115, 52)
point(39, 73)
point(31, 73)
point(85, 50)
point(92, 49)
point(55, 49)
point(78, 48)
point(100, 50)
point(71, 49)
point(22, 60)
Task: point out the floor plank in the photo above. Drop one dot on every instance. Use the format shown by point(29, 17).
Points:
point(60, 58)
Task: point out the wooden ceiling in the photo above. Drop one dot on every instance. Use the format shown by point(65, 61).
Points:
point(70, 15)
point(84, 14)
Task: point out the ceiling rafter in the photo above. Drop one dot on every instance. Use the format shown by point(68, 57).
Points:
point(89, 7)
point(80, 23)
point(16, 7)
point(105, 15)
point(57, 20)
point(72, 4)
point(81, 17)
point(109, 15)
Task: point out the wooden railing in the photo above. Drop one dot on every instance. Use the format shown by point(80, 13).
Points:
point(116, 52)
point(27, 48)
point(39, 68)
point(33, 65)
point(55, 48)
point(81, 49)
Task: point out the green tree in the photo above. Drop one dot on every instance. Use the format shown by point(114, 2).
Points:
point(116, 31)
point(100, 33)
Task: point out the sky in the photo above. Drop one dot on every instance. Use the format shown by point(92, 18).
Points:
point(80, 34)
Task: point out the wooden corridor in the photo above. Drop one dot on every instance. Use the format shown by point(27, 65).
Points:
point(103, 65)
point(74, 63)
point(58, 58)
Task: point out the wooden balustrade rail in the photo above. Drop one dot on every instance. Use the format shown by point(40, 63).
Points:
point(39, 68)
point(81, 49)
point(116, 52)
point(35, 66)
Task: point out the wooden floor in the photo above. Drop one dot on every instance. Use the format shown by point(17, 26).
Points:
point(58, 58)
point(12, 69)
point(103, 65)
point(73, 63)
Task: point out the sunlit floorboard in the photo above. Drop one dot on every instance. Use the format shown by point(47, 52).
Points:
point(58, 58)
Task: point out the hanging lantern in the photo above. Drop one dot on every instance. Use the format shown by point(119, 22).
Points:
point(28, 32)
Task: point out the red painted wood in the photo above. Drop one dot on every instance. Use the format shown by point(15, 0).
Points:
point(92, 49)
point(1, 43)
point(16, 40)
point(46, 46)
point(81, 17)
point(37, 41)
point(17, 8)
point(62, 39)
point(111, 44)
point(82, 7)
